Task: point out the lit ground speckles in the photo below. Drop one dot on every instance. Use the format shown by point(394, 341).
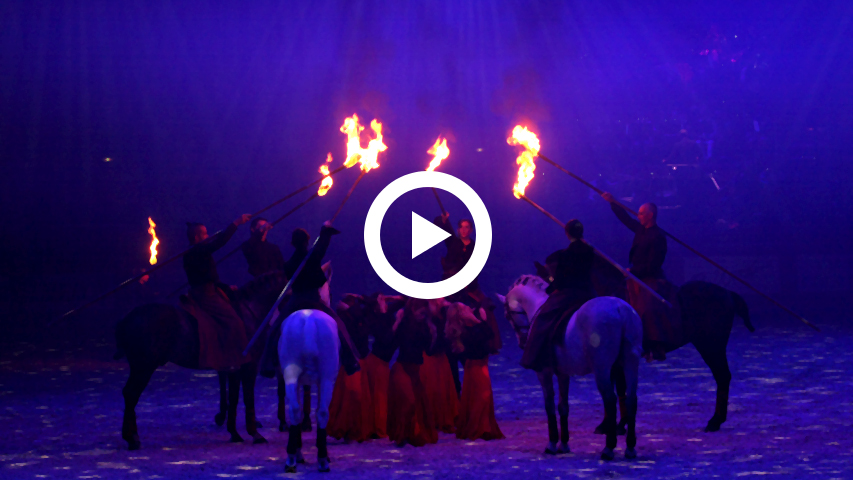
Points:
point(791, 412)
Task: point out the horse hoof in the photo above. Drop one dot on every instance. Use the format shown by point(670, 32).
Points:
point(607, 454)
point(289, 468)
point(564, 448)
point(599, 430)
point(548, 451)
point(282, 426)
point(134, 445)
point(259, 440)
point(712, 427)
point(300, 458)
point(219, 419)
point(235, 438)
point(630, 454)
point(323, 465)
point(258, 424)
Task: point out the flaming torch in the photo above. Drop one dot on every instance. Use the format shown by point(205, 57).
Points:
point(326, 184)
point(439, 152)
point(524, 137)
point(154, 242)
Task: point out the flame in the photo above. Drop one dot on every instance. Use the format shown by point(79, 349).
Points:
point(154, 242)
point(439, 151)
point(366, 156)
point(326, 184)
point(524, 137)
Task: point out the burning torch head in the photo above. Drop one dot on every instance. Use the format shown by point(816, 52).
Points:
point(196, 232)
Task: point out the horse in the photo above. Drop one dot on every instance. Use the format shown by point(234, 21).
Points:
point(222, 415)
point(707, 314)
point(309, 355)
point(154, 334)
point(604, 335)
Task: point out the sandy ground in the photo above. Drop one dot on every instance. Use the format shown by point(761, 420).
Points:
point(790, 417)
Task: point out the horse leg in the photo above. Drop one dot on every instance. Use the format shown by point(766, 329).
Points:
point(630, 369)
point(563, 408)
point(294, 409)
point(137, 381)
point(546, 379)
point(608, 396)
point(306, 402)
point(617, 376)
point(715, 357)
point(219, 418)
point(282, 417)
point(324, 397)
point(247, 376)
point(233, 399)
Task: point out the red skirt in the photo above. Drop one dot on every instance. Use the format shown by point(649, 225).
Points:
point(440, 391)
point(477, 406)
point(350, 410)
point(378, 373)
point(408, 409)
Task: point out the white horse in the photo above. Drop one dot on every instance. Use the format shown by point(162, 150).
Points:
point(604, 335)
point(308, 352)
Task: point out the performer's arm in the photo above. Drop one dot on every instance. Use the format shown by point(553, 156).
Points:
point(443, 222)
point(326, 232)
point(220, 239)
point(625, 218)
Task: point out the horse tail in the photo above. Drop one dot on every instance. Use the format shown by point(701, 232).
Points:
point(742, 310)
point(311, 345)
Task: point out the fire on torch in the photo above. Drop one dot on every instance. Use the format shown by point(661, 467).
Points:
point(154, 242)
point(326, 184)
point(439, 152)
point(524, 137)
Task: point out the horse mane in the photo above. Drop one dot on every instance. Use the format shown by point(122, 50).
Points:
point(534, 281)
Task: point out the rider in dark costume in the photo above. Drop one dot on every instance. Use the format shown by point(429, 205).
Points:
point(571, 288)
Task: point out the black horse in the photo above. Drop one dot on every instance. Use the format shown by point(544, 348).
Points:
point(707, 314)
point(154, 334)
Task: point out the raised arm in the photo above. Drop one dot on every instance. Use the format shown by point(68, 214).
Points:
point(621, 214)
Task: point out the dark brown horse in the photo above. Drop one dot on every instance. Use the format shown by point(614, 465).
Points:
point(152, 335)
point(707, 314)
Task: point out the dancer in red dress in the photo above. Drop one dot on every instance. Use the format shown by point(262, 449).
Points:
point(351, 407)
point(410, 419)
point(436, 375)
point(469, 337)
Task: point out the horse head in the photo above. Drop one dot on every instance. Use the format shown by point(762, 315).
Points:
point(521, 303)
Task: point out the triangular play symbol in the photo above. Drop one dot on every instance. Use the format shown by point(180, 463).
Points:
point(425, 235)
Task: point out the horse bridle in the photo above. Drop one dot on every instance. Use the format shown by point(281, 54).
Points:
point(523, 329)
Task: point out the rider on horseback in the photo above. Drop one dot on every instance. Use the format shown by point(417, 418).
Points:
point(662, 329)
point(222, 334)
point(261, 255)
point(571, 288)
point(306, 295)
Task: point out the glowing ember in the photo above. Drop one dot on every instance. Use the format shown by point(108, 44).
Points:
point(524, 137)
point(439, 151)
point(366, 156)
point(326, 184)
point(154, 242)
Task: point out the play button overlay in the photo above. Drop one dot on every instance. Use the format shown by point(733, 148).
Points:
point(425, 235)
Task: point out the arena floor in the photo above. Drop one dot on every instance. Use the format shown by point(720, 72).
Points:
point(790, 416)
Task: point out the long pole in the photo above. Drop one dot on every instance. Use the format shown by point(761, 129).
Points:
point(232, 252)
point(688, 247)
point(441, 205)
point(271, 315)
point(601, 254)
point(180, 255)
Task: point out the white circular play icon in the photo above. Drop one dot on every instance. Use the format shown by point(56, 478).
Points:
point(425, 235)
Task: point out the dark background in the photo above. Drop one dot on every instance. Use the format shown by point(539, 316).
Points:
point(207, 111)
